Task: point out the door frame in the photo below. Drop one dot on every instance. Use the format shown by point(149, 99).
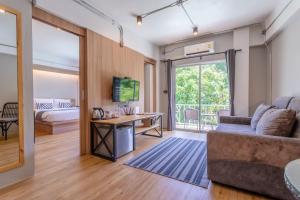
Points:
point(153, 62)
point(52, 20)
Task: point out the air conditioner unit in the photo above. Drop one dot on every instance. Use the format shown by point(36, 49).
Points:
point(198, 49)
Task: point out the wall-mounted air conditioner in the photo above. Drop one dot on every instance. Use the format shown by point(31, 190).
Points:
point(198, 49)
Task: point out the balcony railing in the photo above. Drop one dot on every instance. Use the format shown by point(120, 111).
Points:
point(206, 119)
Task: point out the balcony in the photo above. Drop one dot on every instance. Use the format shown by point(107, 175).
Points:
point(197, 117)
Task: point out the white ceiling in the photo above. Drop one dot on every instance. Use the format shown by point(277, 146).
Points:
point(171, 25)
point(53, 47)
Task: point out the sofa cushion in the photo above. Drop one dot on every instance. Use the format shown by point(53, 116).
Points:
point(282, 102)
point(261, 109)
point(295, 105)
point(276, 122)
point(235, 128)
point(296, 128)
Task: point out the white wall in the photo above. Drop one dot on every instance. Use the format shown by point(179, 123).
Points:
point(27, 169)
point(286, 60)
point(258, 77)
point(283, 13)
point(241, 40)
point(55, 85)
point(8, 79)
point(53, 47)
point(148, 82)
point(8, 35)
point(8, 82)
point(78, 15)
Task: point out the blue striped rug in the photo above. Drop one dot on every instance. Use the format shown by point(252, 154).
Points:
point(181, 159)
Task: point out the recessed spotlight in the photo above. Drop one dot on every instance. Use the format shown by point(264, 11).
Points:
point(139, 20)
point(195, 31)
point(2, 11)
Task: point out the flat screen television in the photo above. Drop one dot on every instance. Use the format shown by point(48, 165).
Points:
point(125, 90)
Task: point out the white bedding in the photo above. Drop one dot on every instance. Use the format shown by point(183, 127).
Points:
point(57, 115)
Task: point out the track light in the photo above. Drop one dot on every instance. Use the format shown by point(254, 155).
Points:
point(195, 31)
point(2, 11)
point(180, 3)
point(139, 20)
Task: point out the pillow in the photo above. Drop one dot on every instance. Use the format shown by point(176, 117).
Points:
point(261, 109)
point(276, 122)
point(65, 105)
point(296, 128)
point(40, 100)
point(44, 106)
point(58, 101)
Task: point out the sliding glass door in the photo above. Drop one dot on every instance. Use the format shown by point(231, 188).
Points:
point(201, 92)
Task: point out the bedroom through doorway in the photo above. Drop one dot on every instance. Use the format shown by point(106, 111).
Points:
point(56, 85)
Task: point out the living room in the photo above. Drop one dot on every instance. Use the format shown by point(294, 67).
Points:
point(178, 100)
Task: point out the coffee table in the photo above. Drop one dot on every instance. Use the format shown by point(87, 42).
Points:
point(292, 177)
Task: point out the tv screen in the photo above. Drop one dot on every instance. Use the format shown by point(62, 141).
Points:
point(125, 90)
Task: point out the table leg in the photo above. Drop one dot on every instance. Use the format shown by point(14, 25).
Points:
point(92, 138)
point(161, 126)
point(114, 143)
point(133, 134)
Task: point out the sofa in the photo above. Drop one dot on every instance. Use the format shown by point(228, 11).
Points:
point(239, 157)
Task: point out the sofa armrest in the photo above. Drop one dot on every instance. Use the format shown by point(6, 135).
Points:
point(260, 149)
point(235, 120)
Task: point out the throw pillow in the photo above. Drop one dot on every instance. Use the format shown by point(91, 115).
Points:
point(276, 122)
point(260, 111)
point(296, 129)
point(65, 105)
point(44, 106)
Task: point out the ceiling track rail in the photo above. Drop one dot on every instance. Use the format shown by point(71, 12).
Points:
point(179, 3)
point(101, 14)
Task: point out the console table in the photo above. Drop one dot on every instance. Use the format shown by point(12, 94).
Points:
point(101, 130)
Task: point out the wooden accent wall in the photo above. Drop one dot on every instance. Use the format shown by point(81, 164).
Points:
point(105, 59)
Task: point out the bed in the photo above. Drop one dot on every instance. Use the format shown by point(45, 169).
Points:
point(54, 116)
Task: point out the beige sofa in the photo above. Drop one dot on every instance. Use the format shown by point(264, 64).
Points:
point(238, 157)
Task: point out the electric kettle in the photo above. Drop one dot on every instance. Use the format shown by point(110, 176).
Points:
point(98, 113)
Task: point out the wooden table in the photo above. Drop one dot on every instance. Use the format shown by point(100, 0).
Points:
point(99, 138)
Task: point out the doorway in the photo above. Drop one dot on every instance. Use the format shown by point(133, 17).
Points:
point(150, 85)
point(79, 32)
point(202, 90)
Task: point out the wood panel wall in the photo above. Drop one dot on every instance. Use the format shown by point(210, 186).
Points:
point(105, 59)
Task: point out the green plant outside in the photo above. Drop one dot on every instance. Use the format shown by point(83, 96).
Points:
point(213, 82)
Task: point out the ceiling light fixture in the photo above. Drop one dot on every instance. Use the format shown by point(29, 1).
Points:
point(195, 31)
point(139, 18)
point(2, 10)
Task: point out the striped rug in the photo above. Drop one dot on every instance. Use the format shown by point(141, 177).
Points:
point(181, 159)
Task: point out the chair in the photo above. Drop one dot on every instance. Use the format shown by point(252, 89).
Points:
point(222, 113)
point(191, 115)
point(9, 116)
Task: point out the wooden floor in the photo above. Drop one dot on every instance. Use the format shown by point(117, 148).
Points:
point(62, 174)
point(9, 149)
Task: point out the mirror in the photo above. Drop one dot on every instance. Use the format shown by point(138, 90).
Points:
point(11, 114)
